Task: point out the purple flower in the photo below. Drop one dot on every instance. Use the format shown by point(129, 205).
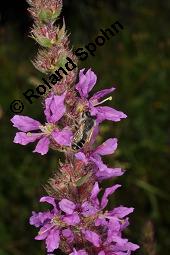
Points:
point(107, 148)
point(113, 223)
point(93, 205)
point(61, 220)
point(69, 220)
point(86, 83)
point(54, 111)
point(55, 223)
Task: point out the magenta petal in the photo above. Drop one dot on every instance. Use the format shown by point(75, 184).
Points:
point(101, 94)
point(101, 222)
point(25, 123)
point(54, 108)
point(108, 113)
point(53, 240)
point(94, 194)
point(63, 137)
point(107, 193)
point(44, 232)
point(125, 246)
point(79, 85)
point(113, 227)
point(132, 247)
point(108, 147)
point(119, 240)
point(81, 156)
point(109, 173)
point(121, 211)
point(49, 200)
point(80, 252)
point(72, 219)
point(42, 146)
point(101, 253)
point(88, 209)
point(92, 79)
point(47, 111)
point(37, 219)
point(67, 206)
point(98, 161)
point(125, 224)
point(68, 234)
point(26, 138)
point(92, 237)
point(86, 82)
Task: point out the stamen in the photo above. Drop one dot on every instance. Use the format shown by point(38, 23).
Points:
point(47, 129)
point(32, 134)
point(107, 99)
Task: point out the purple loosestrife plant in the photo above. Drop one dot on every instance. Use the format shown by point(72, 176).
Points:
point(77, 222)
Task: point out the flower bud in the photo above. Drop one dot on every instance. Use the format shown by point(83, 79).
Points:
point(48, 61)
point(46, 15)
point(45, 11)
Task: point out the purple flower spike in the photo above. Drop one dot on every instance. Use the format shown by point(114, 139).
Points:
point(77, 221)
point(84, 86)
point(54, 111)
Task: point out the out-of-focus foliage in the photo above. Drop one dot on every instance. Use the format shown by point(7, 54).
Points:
point(137, 61)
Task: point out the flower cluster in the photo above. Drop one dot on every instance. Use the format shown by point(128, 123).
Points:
point(86, 83)
point(49, 133)
point(84, 225)
point(53, 39)
point(82, 221)
point(78, 223)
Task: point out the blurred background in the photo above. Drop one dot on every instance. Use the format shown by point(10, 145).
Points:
point(137, 62)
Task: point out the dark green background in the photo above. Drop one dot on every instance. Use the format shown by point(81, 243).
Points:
point(137, 62)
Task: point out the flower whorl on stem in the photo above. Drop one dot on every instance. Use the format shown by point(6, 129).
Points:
point(78, 223)
point(53, 39)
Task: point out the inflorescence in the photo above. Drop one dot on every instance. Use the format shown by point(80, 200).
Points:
point(77, 222)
